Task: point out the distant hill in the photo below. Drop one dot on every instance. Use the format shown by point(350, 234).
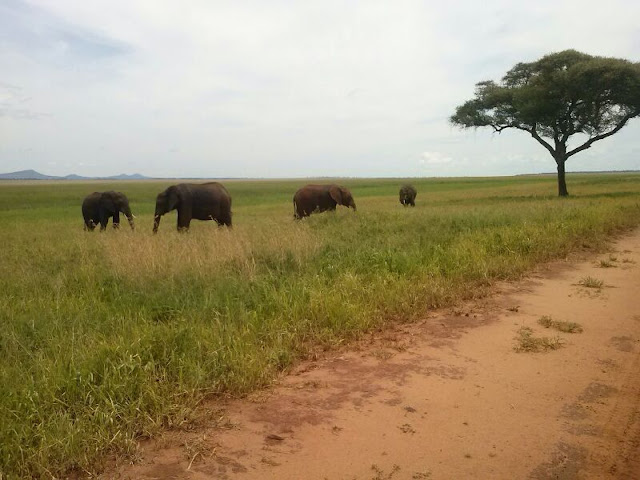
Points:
point(25, 175)
point(33, 175)
point(124, 176)
point(73, 176)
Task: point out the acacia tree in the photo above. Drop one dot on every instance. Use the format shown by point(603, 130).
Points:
point(561, 95)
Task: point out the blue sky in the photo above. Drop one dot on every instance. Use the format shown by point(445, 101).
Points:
point(284, 88)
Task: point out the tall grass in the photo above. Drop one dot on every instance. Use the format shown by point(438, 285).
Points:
point(109, 337)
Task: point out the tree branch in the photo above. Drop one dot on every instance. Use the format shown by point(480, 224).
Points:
point(556, 136)
point(540, 140)
point(500, 128)
point(592, 140)
point(568, 126)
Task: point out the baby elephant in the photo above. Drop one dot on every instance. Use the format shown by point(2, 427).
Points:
point(320, 198)
point(100, 206)
point(408, 195)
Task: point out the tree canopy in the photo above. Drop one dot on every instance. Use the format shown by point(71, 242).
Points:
point(556, 97)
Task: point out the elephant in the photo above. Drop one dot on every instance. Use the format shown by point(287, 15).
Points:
point(202, 201)
point(319, 198)
point(408, 195)
point(99, 206)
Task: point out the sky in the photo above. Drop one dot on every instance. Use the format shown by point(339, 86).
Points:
point(283, 88)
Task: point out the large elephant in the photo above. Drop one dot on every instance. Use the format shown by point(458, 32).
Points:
point(319, 198)
point(408, 195)
point(202, 201)
point(98, 207)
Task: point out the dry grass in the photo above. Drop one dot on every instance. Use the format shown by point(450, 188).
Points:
point(560, 325)
point(591, 282)
point(207, 251)
point(606, 264)
point(526, 342)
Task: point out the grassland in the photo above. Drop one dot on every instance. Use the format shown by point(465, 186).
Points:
point(109, 337)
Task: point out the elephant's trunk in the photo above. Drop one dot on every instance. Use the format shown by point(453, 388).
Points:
point(156, 223)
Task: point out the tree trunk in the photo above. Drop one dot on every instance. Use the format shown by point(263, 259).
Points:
point(562, 184)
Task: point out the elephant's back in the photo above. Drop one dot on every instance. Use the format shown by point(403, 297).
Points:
point(91, 199)
point(408, 190)
point(215, 188)
point(311, 190)
point(210, 194)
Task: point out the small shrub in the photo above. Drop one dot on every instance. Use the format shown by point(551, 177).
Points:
point(560, 325)
point(590, 282)
point(526, 342)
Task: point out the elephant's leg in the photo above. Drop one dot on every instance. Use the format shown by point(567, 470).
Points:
point(183, 222)
point(224, 219)
point(104, 220)
point(116, 220)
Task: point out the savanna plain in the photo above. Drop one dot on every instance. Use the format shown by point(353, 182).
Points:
point(111, 337)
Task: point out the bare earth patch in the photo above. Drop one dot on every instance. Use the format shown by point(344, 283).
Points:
point(447, 397)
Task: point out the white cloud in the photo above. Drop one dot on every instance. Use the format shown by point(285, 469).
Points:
point(435, 158)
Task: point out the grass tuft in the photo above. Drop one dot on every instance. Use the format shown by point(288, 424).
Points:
point(526, 342)
point(560, 325)
point(606, 264)
point(591, 282)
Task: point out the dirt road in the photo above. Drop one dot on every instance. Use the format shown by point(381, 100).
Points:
point(448, 397)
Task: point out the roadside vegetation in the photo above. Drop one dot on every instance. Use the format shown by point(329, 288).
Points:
point(527, 342)
point(561, 325)
point(110, 337)
point(591, 282)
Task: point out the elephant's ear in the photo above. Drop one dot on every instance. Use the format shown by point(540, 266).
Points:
point(336, 193)
point(173, 197)
point(119, 200)
point(123, 203)
point(107, 202)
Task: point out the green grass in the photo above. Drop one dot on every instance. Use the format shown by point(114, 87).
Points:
point(109, 337)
